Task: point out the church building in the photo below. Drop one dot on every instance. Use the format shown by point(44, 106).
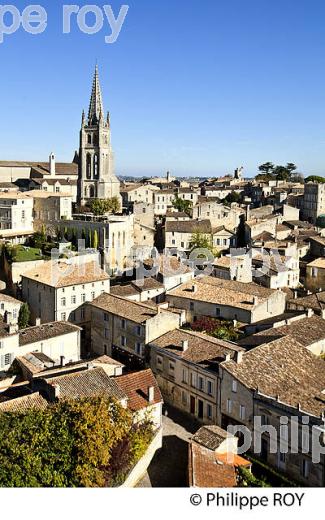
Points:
point(96, 178)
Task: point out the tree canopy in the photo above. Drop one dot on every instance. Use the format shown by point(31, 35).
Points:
point(24, 316)
point(101, 206)
point(268, 171)
point(182, 205)
point(70, 444)
point(315, 178)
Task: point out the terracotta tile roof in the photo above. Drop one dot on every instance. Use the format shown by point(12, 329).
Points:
point(136, 385)
point(314, 301)
point(319, 263)
point(285, 369)
point(134, 311)
point(46, 331)
point(188, 226)
point(167, 265)
point(62, 274)
point(123, 290)
point(206, 472)
point(306, 331)
point(202, 349)
point(223, 292)
point(88, 383)
point(13, 195)
point(147, 284)
point(9, 299)
point(24, 403)
point(60, 168)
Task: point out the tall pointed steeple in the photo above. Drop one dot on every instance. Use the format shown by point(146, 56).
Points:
point(96, 105)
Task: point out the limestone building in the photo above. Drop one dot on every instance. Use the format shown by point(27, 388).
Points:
point(96, 178)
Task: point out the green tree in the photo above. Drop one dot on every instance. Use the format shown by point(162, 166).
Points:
point(89, 241)
point(101, 206)
point(183, 206)
point(315, 178)
point(70, 444)
point(95, 240)
point(291, 168)
point(114, 205)
point(232, 197)
point(266, 168)
point(281, 173)
point(24, 316)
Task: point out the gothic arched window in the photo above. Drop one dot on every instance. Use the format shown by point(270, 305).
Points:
point(96, 169)
point(88, 166)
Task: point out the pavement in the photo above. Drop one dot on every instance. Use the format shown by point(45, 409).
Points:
point(168, 468)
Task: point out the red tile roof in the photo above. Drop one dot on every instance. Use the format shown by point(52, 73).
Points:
point(136, 385)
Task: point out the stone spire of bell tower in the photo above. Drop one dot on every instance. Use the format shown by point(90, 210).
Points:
point(96, 162)
point(96, 104)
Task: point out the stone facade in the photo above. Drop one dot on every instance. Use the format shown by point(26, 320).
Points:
point(96, 177)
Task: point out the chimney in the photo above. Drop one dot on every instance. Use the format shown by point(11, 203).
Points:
point(62, 361)
point(255, 300)
point(37, 322)
point(151, 394)
point(184, 345)
point(239, 356)
point(52, 164)
point(310, 313)
point(194, 288)
point(227, 357)
point(57, 390)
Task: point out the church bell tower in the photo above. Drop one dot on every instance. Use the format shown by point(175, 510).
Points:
point(96, 178)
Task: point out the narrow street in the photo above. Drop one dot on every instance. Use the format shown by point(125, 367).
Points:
point(169, 465)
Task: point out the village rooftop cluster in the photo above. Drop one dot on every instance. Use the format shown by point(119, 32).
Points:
point(197, 351)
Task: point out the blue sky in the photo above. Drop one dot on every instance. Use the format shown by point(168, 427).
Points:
point(197, 87)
